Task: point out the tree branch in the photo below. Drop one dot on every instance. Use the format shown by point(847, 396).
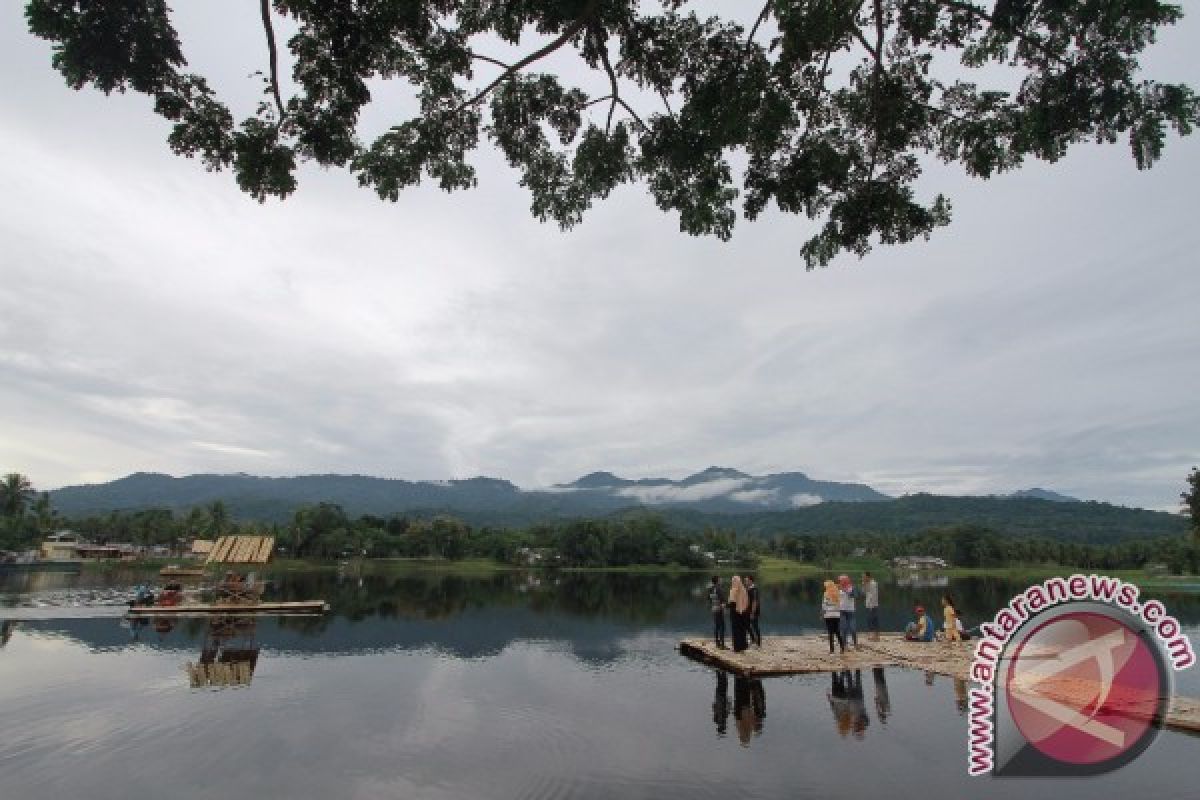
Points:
point(602, 47)
point(858, 34)
point(265, 7)
point(762, 17)
point(568, 33)
point(879, 33)
point(662, 93)
point(489, 59)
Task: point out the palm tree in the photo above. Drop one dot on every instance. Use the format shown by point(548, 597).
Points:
point(218, 517)
point(47, 517)
point(15, 493)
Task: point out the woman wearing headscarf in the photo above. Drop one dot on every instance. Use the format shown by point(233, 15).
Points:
point(847, 597)
point(831, 611)
point(952, 634)
point(739, 612)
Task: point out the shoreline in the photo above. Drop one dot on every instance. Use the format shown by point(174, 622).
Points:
point(769, 570)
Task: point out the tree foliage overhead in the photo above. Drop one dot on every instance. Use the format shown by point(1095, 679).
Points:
point(826, 106)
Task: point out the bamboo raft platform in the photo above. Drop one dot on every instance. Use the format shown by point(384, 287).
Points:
point(798, 655)
point(183, 572)
point(239, 609)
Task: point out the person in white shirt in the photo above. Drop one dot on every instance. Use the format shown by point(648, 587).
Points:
point(847, 601)
point(871, 601)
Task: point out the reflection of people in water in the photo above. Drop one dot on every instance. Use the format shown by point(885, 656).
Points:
point(838, 702)
point(720, 706)
point(857, 705)
point(749, 707)
point(960, 695)
point(883, 701)
point(847, 703)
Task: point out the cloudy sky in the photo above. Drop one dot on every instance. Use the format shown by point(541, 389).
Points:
point(154, 318)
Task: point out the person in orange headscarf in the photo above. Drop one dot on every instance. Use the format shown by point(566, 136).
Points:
point(832, 614)
point(739, 612)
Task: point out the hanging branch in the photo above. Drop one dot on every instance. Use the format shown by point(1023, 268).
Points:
point(616, 96)
point(762, 16)
point(265, 7)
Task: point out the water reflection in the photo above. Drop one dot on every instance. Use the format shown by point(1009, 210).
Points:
point(846, 702)
point(720, 706)
point(883, 701)
point(749, 708)
point(500, 686)
point(229, 655)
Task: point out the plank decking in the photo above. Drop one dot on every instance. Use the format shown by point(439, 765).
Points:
point(794, 655)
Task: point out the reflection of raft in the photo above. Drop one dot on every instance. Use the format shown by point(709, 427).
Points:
point(295, 607)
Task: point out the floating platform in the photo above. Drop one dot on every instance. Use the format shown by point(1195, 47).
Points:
point(238, 609)
point(797, 655)
point(183, 572)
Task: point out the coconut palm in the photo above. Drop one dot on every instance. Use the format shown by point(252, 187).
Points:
point(218, 518)
point(15, 494)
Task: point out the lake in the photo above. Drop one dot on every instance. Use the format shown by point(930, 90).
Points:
point(502, 685)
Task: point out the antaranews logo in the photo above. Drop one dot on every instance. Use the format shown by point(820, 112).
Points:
point(1072, 677)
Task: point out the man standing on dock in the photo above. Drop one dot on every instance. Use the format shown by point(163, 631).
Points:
point(752, 627)
point(871, 602)
point(716, 601)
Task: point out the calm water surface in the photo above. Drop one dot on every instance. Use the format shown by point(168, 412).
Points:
point(508, 686)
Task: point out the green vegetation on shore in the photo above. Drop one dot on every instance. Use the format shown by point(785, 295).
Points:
point(633, 541)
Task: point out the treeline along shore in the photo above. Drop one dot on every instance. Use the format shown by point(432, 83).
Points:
point(628, 539)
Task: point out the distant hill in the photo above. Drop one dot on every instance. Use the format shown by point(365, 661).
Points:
point(1045, 494)
point(1090, 522)
point(714, 489)
point(768, 505)
point(718, 489)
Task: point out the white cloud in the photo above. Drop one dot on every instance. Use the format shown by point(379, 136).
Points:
point(654, 495)
point(804, 499)
point(1047, 338)
point(760, 496)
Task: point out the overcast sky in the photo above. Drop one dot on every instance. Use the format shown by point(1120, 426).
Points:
point(153, 317)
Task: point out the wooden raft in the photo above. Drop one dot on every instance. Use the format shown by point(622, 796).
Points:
point(797, 655)
point(241, 550)
point(296, 607)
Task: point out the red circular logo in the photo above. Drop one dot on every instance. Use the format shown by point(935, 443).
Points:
point(1084, 688)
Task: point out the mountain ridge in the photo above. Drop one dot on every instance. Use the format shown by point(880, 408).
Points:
point(768, 505)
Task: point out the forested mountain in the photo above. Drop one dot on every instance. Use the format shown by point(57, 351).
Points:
point(716, 498)
point(247, 496)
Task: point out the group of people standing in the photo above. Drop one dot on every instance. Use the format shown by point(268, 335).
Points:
point(744, 609)
point(839, 609)
point(839, 603)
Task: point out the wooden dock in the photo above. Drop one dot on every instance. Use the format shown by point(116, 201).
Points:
point(237, 609)
point(797, 655)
